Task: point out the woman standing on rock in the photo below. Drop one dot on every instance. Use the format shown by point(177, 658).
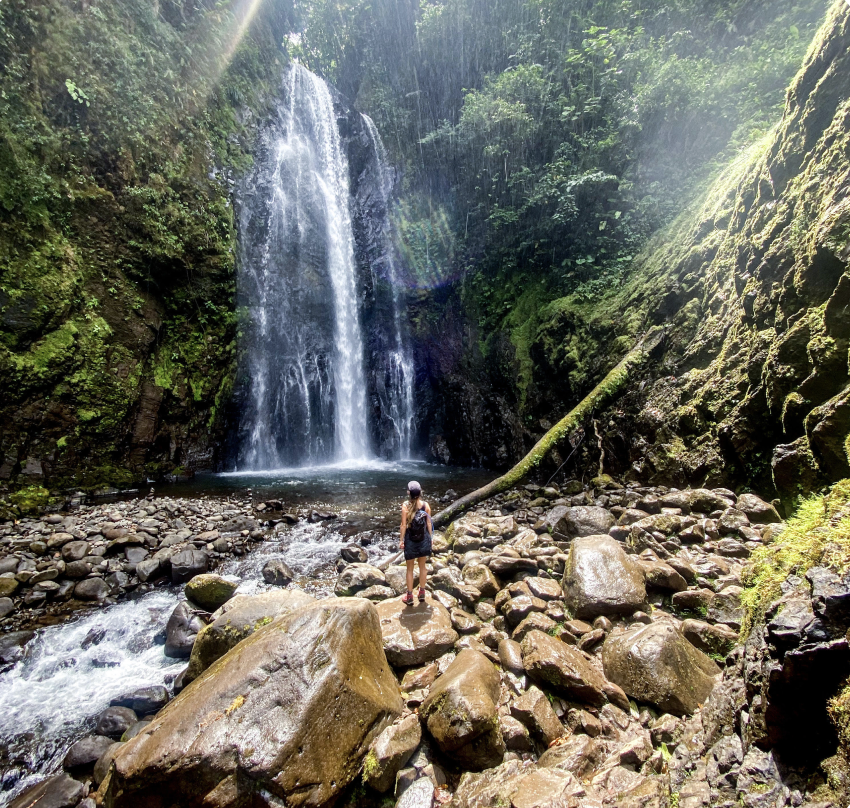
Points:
point(416, 531)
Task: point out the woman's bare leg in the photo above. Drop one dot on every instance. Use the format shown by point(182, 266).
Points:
point(422, 572)
point(410, 575)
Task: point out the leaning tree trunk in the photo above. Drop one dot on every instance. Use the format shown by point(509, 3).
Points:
point(607, 389)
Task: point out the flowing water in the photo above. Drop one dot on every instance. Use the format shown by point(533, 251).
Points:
point(70, 672)
point(303, 348)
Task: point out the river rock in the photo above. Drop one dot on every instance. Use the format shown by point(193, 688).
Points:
point(461, 712)
point(534, 710)
point(354, 554)
point(562, 668)
point(104, 762)
point(390, 752)
point(510, 656)
point(188, 563)
point(480, 576)
point(75, 551)
point(726, 607)
point(86, 752)
point(356, 577)
point(59, 791)
point(242, 616)
point(7, 606)
point(8, 586)
point(587, 520)
point(209, 591)
point(656, 665)
point(113, 722)
point(91, 589)
point(181, 631)
point(291, 710)
point(413, 635)
point(144, 701)
point(149, 570)
point(710, 639)
point(600, 579)
point(277, 572)
point(757, 510)
point(419, 795)
point(12, 646)
point(660, 575)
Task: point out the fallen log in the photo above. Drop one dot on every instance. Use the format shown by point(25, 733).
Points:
point(606, 390)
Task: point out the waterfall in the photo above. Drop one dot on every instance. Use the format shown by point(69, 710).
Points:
point(398, 365)
point(301, 343)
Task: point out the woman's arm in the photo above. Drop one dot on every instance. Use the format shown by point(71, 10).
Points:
point(430, 523)
point(403, 527)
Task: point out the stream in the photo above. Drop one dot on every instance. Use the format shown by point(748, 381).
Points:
point(71, 671)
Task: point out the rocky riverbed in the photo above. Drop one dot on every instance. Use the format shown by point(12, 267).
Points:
point(576, 647)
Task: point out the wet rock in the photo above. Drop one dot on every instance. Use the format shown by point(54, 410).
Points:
point(354, 554)
point(600, 579)
point(376, 593)
point(518, 608)
point(8, 586)
point(319, 671)
point(460, 712)
point(656, 665)
point(91, 589)
point(561, 668)
point(663, 577)
point(726, 607)
point(535, 712)
point(7, 606)
point(700, 500)
point(188, 563)
point(144, 701)
point(419, 795)
point(579, 755)
point(356, 577)
point(277, 572)
point(139, 726)
point(420, 677)
point(75, 550)
point(59, 791)
point(510, 656)
point(757, 510)
point(413, 635)
point(536, 621)
point(85, 753)
point(710, 639)
point(506, 566)
point(209, 591)
point(150, 570)
point(242, 616)
point(181, 630)
point(587, 520)
point(515, 735)
point(113, 722)
point(694, 600)
point(390, 752)
point(545, 588)
point(12, 646)
point(481, 577)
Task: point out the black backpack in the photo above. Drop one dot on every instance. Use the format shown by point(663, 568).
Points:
point(418, 526)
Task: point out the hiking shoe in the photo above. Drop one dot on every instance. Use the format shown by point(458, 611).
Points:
point(407, 600)
point(422, 594)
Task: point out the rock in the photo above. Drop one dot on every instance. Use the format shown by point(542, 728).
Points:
point(461, 712)
point(12, 646)
point(662, 576)
point(181, 630)
point(413, 635)
point(418, 678)
point(726, 607)
point(91, 589)
point(515, 735)
point(59, 791)
point(390, 752)
point(518, 608)
point(356, 577)
point(150, 570)
point(600, 579)
point(536, 621)
point(242, 616)
point(544, 588)
point(710, 639)
point(579, 755)
point(656, 665)
point(510, 656)
point(480, 576)
point(209, 591)
point(104, 762)
point(464, 623)
point(419, 795)
point(8, 586)
point(139, 726)
point(587, 520)
point(562, 668)
point(86, 752)
point(757, 510)
point(188, 563)
point(354, 554)
point(144, 701)
point(694, 600)
point(277, 572)
point(700, 500)
point(75, 550)
point(292, 710)
point(113, 722)
point(505, 566)
point(534, 710)
point(7, 606)
point(376, 593)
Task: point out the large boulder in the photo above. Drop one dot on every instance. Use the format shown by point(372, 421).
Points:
point(59, 791)
point(390, 752)
point(182, 630)
point(656, 665)
point(600, 579)
point(290, 711)
point(461, 712)
point(562, 668)
point(242, 616)
point(209, 591)
point(188, 563)
point(757, 510)
point(356, 577)
point(416, 634)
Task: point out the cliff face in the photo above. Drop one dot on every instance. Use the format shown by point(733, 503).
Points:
point(751, 285)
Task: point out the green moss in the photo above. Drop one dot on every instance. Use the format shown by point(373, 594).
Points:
point(29, 500)
point(371, 767)
point(817, 535)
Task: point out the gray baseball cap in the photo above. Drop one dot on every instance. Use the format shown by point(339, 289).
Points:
point(414, 488)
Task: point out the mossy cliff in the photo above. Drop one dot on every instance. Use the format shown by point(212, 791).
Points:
point(122, 129)
point(750, 284)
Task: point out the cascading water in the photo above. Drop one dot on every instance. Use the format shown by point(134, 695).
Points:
point(398, 366)
point(302, 344)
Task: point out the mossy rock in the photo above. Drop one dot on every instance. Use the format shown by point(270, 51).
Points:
point(210, 591)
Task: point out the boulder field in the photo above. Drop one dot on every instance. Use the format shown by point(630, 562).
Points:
point(550, 664)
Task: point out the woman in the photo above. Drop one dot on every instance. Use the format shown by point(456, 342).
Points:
point(416, 530)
